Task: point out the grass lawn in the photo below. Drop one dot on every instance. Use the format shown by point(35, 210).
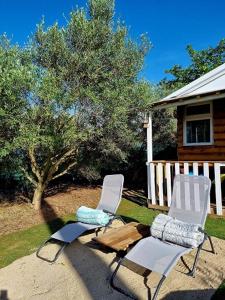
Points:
point(25, 242)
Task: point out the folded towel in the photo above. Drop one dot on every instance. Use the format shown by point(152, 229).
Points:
point(169, 229)
point(92, 216)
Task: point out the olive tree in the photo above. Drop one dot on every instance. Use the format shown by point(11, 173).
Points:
point(86, 92)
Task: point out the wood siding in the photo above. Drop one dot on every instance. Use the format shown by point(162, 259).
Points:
point(215, 152)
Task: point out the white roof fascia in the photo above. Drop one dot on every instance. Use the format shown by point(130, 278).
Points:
point(211, 81)
point(183, 101)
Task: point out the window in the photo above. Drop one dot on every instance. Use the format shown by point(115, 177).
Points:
point(198, 125)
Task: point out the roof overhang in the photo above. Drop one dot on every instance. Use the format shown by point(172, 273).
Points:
point(215, 95)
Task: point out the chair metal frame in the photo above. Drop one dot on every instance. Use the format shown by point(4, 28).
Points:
point(103, 202)
point(163, 277)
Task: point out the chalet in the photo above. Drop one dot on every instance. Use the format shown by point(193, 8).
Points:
point(200, 139)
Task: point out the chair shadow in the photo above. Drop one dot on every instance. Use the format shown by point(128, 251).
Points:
point(191, 294)
point(128, 219)
point(4, 295)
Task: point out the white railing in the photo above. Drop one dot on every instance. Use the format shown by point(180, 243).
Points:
point(161, 174)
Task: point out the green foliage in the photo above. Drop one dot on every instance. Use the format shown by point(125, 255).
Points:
point(73, 96)
point(16, 79)
point(202, 61)
point(101, 10)
point(94, 67)
point(164, 129)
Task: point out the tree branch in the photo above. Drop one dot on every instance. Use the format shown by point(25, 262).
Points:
point(65, 156)
point(34, 166)
point(55, 166)
point(65, 171)
point(28, 176)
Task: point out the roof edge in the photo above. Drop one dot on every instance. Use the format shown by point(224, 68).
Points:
point(164, 103)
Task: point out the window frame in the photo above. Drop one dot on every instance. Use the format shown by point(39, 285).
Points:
point(207, 116)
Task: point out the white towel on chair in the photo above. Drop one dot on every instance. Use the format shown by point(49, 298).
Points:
point(169, 229)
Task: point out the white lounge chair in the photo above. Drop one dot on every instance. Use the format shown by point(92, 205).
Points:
point(189, 204)
point(109, 202)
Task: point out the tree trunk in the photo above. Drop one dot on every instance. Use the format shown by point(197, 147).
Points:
point(37, 197)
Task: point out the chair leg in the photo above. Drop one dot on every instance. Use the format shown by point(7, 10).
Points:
point(124, 292)
point(114, 286)
point(107, 226)
point(158, 287)
point(56, 255)
point(115, 217)
point(211, 244)
point(121, 219)
point(192, 272)
point(97, 231)
point(110, 222)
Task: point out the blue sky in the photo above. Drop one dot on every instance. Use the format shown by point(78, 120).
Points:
point(170, 24)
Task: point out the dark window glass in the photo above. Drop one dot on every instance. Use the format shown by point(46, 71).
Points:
point(198, 131)
point(198, 109)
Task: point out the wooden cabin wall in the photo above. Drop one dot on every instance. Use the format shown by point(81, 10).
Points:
point(215, 152)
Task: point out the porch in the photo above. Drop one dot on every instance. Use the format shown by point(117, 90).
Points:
point(161, 175)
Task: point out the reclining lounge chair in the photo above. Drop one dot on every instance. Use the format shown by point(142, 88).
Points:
point(189, 204)
point(109, 202)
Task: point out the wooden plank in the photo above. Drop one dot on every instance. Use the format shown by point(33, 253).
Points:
point(160, 182)
point(220, 143)
point(152, 178)
point(218, 122)
point(219, 129)
point(207, 157)
point(219, 136)
point(168, 183)
point(121, 238)
point(202, 150)
point(200, 162)
point(206, 173)
point(218, 192)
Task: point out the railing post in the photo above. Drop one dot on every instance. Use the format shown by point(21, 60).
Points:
point(149, 156)
point(152, 178)
point(149, 139)
point(219, 209)
point(177, 168)
point(186, 168)
point(160, 182)
point(168, 183)
point(206, 173)
point(195, 168)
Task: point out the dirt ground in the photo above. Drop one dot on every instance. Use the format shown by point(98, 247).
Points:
point(14, 217)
